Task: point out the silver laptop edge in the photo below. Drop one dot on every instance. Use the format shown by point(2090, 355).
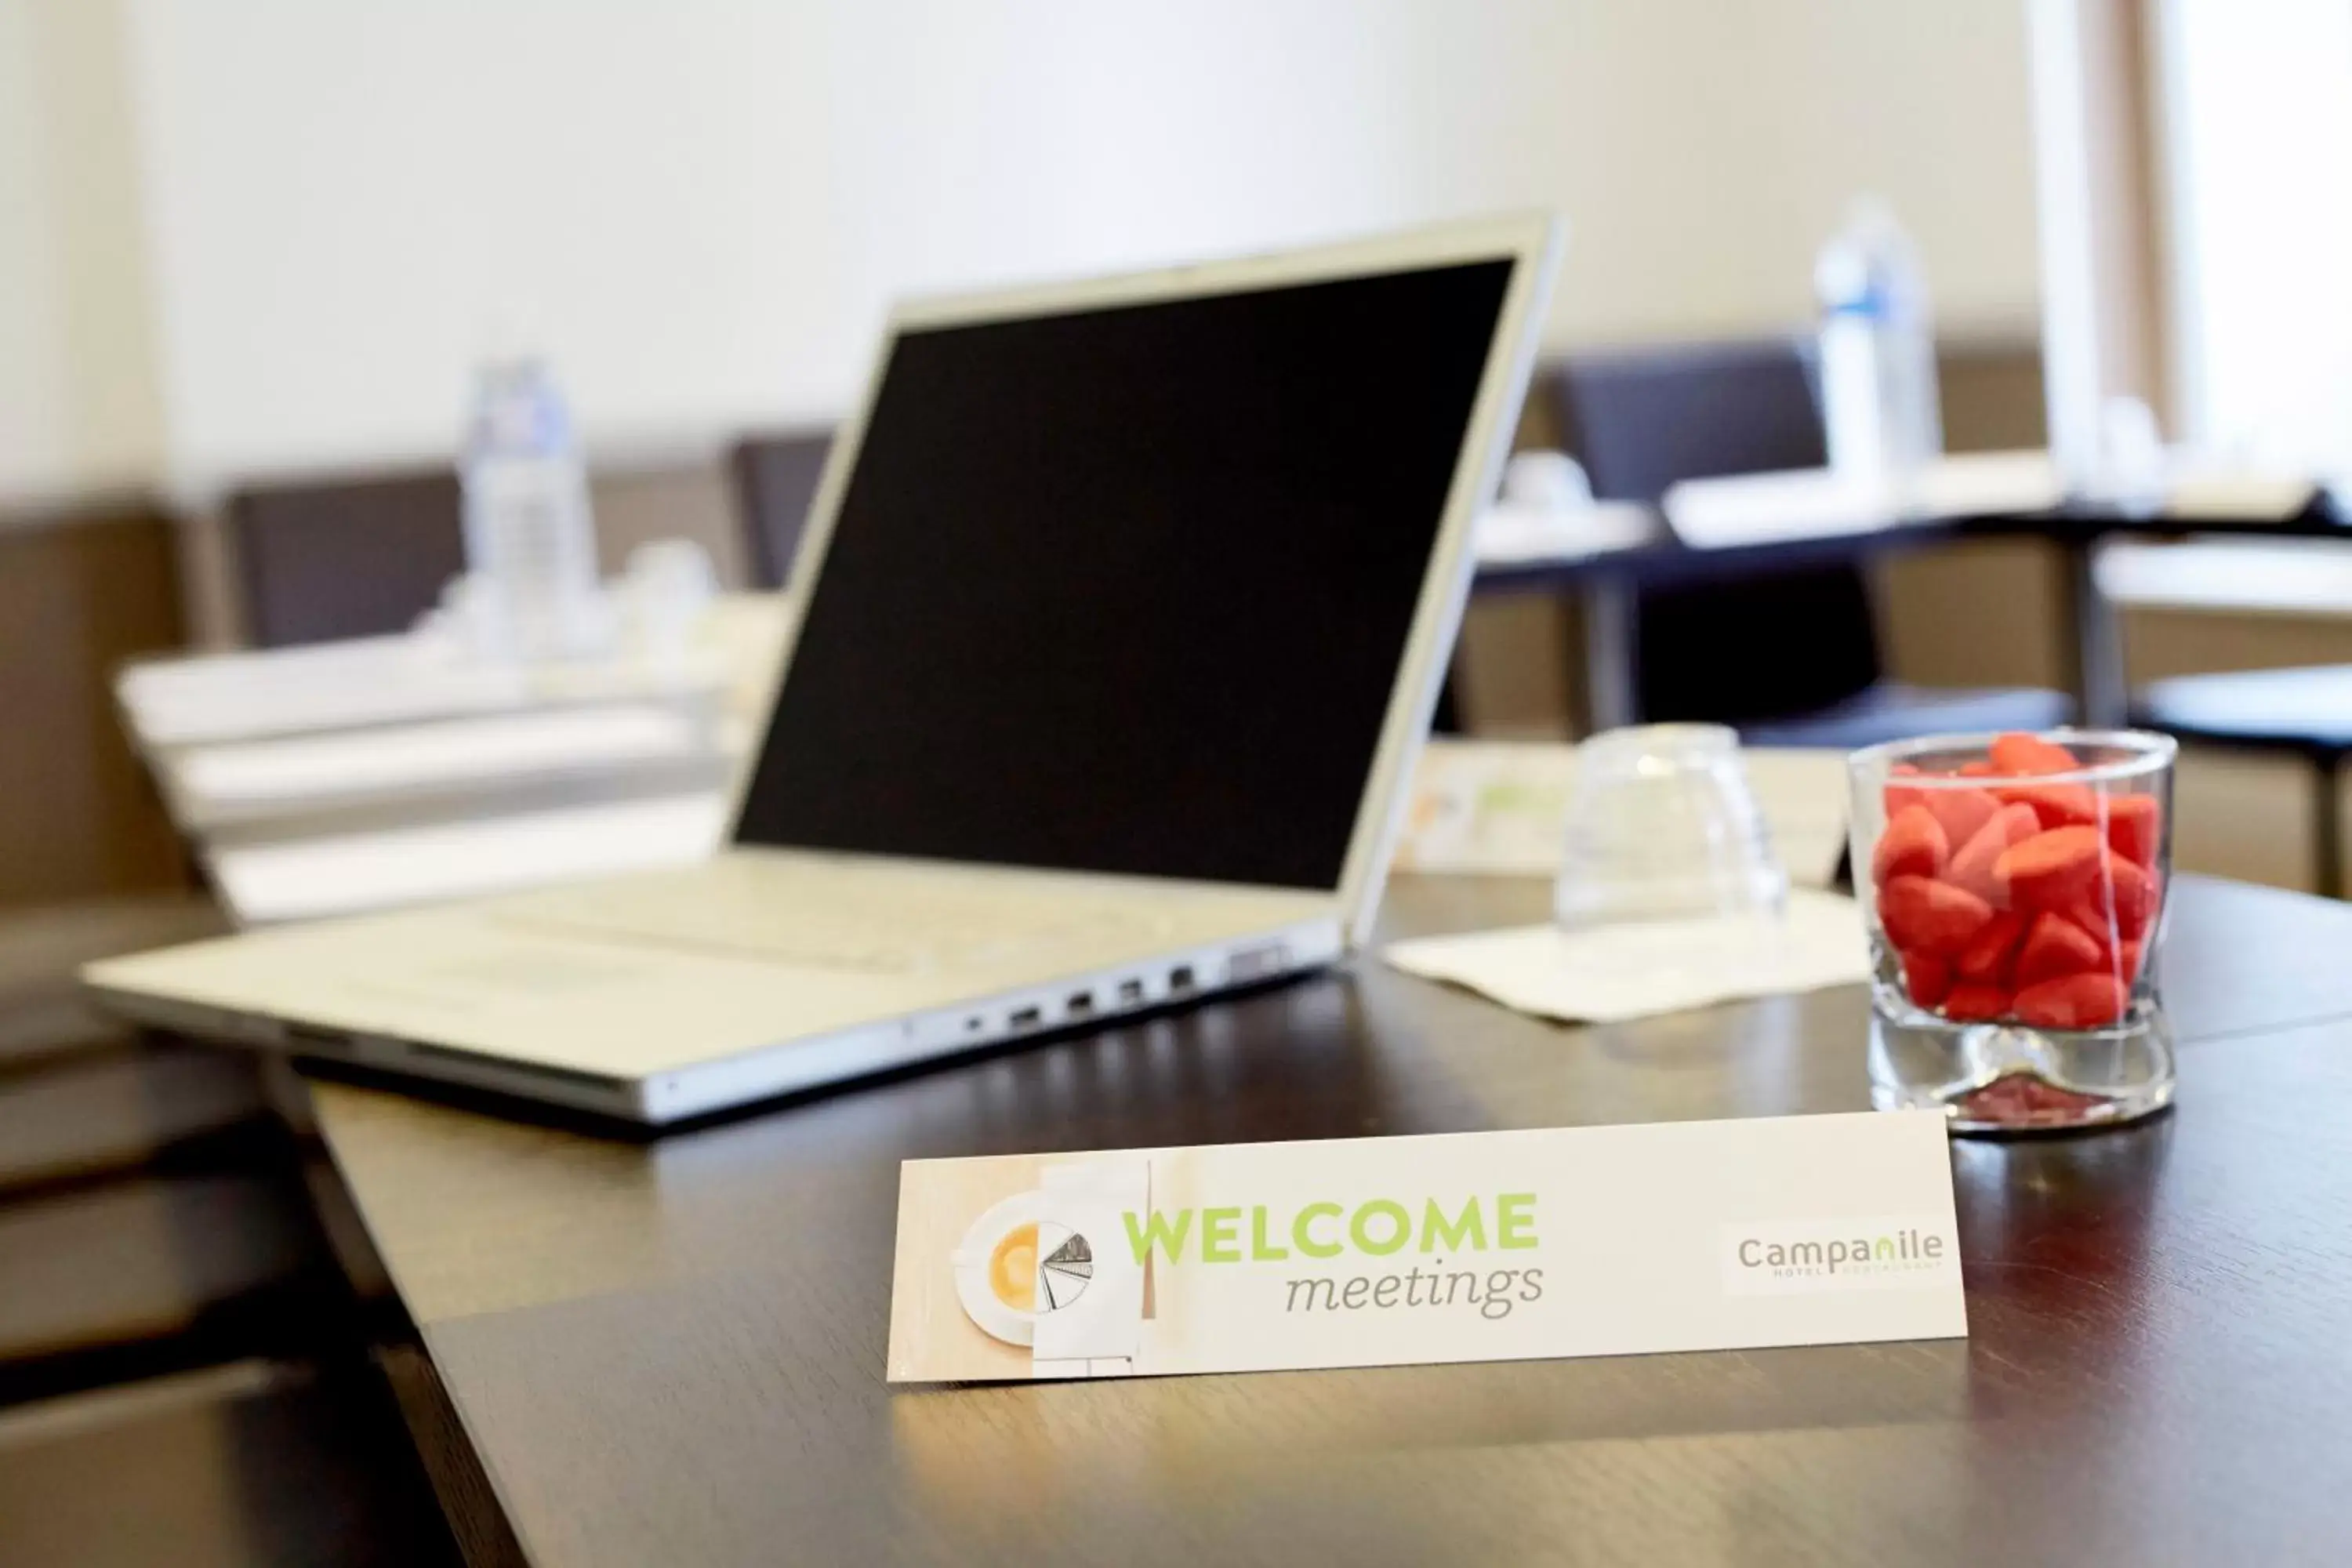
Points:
point(802, 1063)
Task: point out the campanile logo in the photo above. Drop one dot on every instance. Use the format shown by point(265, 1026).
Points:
point(1772, 1257)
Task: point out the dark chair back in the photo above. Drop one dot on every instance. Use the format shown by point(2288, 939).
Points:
point(775, 480)
point(1766, 646)
point(347, 558)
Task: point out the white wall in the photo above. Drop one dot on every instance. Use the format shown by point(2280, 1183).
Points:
point(78, 404)
point(2260, 188)
point(704, 204)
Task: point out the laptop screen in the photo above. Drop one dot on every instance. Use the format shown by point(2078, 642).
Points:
point(1127, 589)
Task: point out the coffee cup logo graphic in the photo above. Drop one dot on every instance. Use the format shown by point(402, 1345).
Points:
point(1017, 1264)
point(1012, 1269)
point(1040, 1270)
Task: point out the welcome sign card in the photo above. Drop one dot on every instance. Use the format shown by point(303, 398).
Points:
point(1465, 1247)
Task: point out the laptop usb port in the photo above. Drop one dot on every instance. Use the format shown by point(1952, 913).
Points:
point(1249, 962)
point(1130, 993)
point(1180, 980)
point(1025, 1018)
point(1081, 1005)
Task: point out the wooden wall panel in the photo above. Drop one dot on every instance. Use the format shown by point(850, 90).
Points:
point(78, 597)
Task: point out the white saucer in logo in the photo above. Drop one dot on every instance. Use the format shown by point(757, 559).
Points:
point(1015, 1264)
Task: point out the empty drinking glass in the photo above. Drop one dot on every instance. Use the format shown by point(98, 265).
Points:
point(1662, 824)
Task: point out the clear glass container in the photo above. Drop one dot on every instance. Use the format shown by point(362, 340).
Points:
point(2014, 888)
point(1663, 825)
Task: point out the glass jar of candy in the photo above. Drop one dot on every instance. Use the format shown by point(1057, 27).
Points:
point(2013, 887)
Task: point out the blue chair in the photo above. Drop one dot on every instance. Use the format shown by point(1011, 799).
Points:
point(1789, 657)
point(775, 481)
point(345, 558)
point(2305, 713)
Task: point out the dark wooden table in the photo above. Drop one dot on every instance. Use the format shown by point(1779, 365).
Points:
point(673, 1353)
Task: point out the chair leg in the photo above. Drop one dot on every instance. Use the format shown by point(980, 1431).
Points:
point(2326, 825)
point(1612, 656)
point(2095, 644)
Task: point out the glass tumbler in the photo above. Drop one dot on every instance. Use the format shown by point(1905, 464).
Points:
point(2014, 889)
point(1663, 825)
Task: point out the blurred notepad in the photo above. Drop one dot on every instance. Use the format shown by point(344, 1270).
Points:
point(1512, 535)
point(358, 873)
point(1497, 808)
point(1988, 484)
point(1610, 974)
point(1817, 503)
point(2237, 496)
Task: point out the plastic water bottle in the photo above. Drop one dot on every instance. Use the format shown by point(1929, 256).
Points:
point(530, 542)
point(1879, 404)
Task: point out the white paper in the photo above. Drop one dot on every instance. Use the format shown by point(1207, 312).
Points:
point(1610, 974)
point(1497, 808)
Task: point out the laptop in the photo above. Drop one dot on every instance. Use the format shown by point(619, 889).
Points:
point(1127, 603)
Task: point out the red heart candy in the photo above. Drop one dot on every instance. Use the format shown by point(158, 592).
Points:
point(2118, 906)
point(1974, 1003)
point(2050, 869)
point(1923, 915)
point(1896, 797)
point(1963, 812)
point(2058, 805)
point(2135, 826)
point(2019, 754)
point(1925, 977)
point(1914, 845)
point(2055, 945)
point(2073, 1002)
point(2134, 893)
point(1974, 863)
point(1992, 952)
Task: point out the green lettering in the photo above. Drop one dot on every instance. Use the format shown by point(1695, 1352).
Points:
point(1396, 1238)
point(1158, 1233)
point(1886, 1249)
point(1219, 1238)
point(1468, 1231)
point(1308, 1244)
point(1515, 1222)
point(1261, 1249)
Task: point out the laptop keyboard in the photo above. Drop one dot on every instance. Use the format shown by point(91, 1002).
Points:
point(840, 918)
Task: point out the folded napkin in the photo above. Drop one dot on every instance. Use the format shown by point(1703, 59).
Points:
point(1611, 974)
